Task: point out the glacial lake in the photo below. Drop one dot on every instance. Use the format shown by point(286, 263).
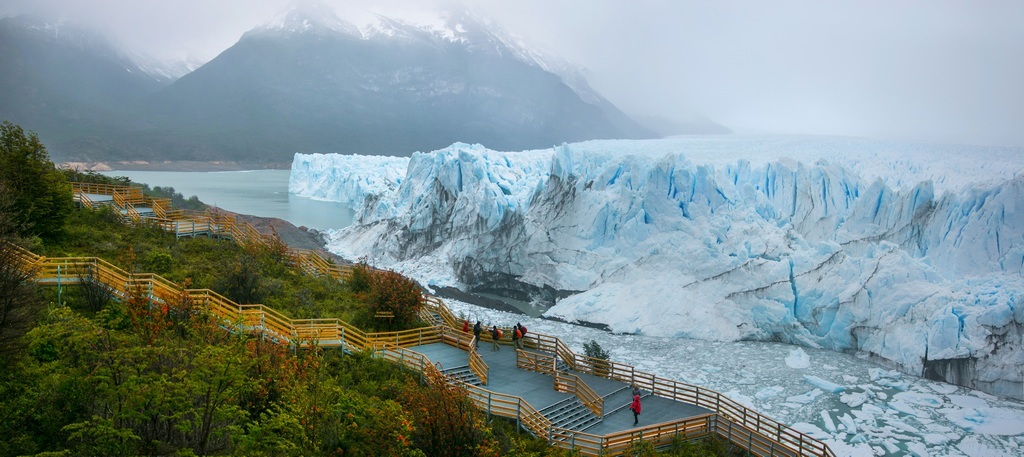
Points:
point(257, 192)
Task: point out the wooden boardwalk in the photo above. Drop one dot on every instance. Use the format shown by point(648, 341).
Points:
point(571, 400)
point(538, 389)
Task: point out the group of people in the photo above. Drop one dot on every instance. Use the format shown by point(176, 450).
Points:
point(518, 333)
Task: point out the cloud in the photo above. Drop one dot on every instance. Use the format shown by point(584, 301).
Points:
point(914, 69)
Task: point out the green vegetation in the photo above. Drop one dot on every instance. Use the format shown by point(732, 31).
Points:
point(84, 374)
point(39, 195)
point(593, 349)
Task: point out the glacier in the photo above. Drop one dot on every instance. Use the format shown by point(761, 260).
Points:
point(910, 254)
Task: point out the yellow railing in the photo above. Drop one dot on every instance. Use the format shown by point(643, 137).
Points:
point(535, 361)
point(510, 406)
point(190, 223)
point(570, 383)
point(662, 434)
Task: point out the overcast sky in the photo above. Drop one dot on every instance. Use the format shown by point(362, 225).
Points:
point(928, 70)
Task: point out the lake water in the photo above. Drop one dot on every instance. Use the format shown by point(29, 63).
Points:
point(257, 192)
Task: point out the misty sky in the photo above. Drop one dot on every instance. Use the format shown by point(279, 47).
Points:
point(928, 70)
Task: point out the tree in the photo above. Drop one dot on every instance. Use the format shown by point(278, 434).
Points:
point(41, 195)
point(447, 422)
point(19, 304)
point(242, 281)
point(387, 292)
point(594, 350)
point(598, 358)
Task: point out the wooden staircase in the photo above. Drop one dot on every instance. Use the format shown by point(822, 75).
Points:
point(571, 414)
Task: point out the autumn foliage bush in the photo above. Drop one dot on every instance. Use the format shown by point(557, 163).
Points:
point(386, 291)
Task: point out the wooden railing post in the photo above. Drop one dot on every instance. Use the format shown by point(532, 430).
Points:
point(519, 412)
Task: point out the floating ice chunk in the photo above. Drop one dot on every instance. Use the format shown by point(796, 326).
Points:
point(827, 386)
point(866, 418)
point(798, 359)
point(848, 423)
point(902, 426)
point(967, 401)
point(805, 398)
point(892, 383)
point(877, 373)
point(811, 430)
point(890, 445)
point(769, 392)
point(943, 388)
point(917, 449)
point(872, 409)
point(856, 449)
point(990, 421)
point(974, 446)
point(826, 418)
point(935, 439)
point(744, 400)
point(904, 407)
point(853, 399)
point(919, 399)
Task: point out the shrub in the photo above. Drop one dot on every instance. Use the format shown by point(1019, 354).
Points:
point(390, 292)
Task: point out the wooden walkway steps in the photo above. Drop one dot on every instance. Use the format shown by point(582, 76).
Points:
point(508, 383)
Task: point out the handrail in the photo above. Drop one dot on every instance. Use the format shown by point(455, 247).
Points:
point(661, 434)
point(478, 366)
point(570, 383)
point(85, 200)
point(535, 361)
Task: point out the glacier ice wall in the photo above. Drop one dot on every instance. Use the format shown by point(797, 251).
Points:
point(345, 178)
point(910, 254)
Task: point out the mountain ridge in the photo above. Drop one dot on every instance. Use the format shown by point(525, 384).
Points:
point(313, 82)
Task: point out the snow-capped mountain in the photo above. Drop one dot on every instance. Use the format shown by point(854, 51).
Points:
point(311, 81)
point(910, 254)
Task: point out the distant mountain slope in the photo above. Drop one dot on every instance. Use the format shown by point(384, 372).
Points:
point(308, 82)
point(70, 86)
point(313, 85)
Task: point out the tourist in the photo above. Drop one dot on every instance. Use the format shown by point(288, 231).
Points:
point(495, 336)
point(635, 407)
point(477, 329)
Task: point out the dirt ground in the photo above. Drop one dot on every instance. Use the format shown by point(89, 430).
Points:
point(294, 237)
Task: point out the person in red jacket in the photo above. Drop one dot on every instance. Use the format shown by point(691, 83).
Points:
point(635, 407)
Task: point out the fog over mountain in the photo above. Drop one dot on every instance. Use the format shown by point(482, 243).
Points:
point(918, 70)
point(306, 81)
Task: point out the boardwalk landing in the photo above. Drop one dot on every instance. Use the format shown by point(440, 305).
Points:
point(538, 389)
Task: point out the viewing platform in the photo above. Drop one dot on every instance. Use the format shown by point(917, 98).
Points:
point(538, 389)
